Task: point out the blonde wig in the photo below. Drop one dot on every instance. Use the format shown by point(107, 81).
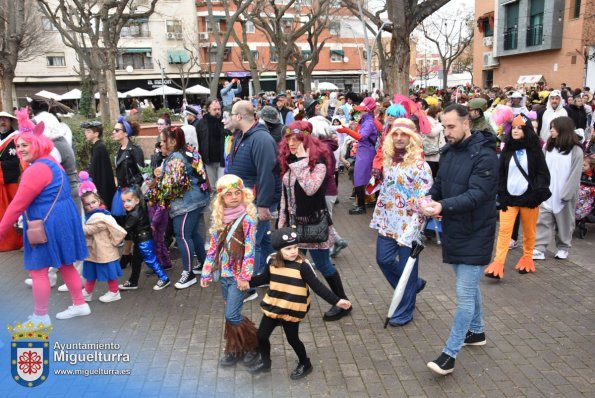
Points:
point(224, 184)
point(414, 150)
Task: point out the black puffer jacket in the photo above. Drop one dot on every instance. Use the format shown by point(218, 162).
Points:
point(138, 225)
point(466, 186)
point(538, 172)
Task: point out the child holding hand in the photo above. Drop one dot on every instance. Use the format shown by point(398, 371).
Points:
point(288, 299)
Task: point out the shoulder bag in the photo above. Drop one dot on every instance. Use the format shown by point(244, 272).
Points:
point(35, 228)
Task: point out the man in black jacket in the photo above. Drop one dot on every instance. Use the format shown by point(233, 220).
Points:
point(464, 193)
point(211, 141)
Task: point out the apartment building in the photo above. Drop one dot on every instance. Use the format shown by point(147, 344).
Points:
point(524, 42)
point(146, 47)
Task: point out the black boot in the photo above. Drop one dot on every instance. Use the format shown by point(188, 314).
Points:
point(125, 260)
point(261, 366)
point(360, 195)
point(302, 370)
point(336, 313)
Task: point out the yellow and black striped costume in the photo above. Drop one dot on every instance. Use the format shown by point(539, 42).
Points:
point(288, 297)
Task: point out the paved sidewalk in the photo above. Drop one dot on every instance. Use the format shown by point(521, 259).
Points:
point(540, 330)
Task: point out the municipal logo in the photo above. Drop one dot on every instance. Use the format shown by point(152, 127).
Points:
point(30, 353)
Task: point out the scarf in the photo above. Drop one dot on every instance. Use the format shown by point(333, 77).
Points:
point(230, 214)
point(399, 155)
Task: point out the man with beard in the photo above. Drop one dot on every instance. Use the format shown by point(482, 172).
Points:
point(553, 109)
point(211, 139)
point(464, 194)
point(286, 114)
point(10, 171)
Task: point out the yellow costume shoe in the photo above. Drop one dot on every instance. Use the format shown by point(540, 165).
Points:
point(495, 270)
point(525, 265)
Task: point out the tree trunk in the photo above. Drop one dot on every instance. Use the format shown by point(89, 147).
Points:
point(112, 92)
point(255, 80)
point(400, 55)
point(281, 73)
point(6, 89)
point(306, 81)
point(214, 84)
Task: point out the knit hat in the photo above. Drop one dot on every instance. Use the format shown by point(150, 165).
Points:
point(367, 105)
point(284, 237)
point(516, 94)
point(86, 184)
point(189, 110)
point(270, 115)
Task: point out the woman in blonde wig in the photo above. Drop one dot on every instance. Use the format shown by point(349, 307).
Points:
point(407, 178)
point(231, 254)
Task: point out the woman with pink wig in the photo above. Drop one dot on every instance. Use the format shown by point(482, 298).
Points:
point(44, 194)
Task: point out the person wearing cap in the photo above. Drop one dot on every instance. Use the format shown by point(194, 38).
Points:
point(100, 166)
point(366, 135)
point(192, 116)
point(517, 101)
point(210, 135)
point(286, 113)
point(229, 92)
point(477, 107)
point(272, 119)
point(554, 109)
point(398, 219)
point(10, 172)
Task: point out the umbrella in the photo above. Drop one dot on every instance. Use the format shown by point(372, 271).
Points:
point(414, 109)
point(48, 95)
point(139, 92)
point(73, 94)
point(198, 89)
point(120, 95)
point(327, 86)
point(167, 90)
point(400, 289)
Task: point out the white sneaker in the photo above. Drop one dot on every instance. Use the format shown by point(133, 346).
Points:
point(537, 255)
point(37, 319)
point(562, 254)
point(186, 280)
point(110, 296)
point(63, 288)
point(88, 296)
point(29, 282)
point(73, 311)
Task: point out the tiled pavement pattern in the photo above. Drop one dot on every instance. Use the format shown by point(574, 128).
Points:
point(540, 330)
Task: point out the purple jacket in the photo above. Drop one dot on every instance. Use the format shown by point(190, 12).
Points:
point(366, 150)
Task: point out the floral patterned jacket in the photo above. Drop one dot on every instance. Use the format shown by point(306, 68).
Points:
point(227, 271)
point(396, 214)
point(310, 181)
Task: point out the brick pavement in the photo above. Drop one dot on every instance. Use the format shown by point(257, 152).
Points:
point(540, 330)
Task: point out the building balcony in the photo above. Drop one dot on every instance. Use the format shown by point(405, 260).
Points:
point(511, 36)
point(534, 35)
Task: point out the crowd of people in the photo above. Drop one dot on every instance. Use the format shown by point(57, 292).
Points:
point(267, 171)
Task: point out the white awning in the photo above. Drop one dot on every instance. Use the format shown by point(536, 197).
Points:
point(139, 92)
point(530, 79)
point(73, 94)
point(198, 89)
point(48, 95)
point(167, 90)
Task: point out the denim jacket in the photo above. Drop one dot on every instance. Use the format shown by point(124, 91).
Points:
point(194, 198)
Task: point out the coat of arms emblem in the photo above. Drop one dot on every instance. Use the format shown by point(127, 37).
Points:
point(30, 353)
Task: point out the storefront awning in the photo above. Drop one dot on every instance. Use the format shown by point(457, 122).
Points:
point(530, 79)
point(338, 52)
point(488, 16)
point(306, 53)
point(177, 56)
point(136, 50)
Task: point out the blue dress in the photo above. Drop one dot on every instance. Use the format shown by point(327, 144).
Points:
point(64, 228)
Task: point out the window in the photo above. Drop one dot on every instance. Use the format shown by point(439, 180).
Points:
point(511, 12)
point(213, 54)
point(365, 54)
point(335, 28)
point(56, 60)
point(487, 28)
point(337, 55)
point(138, 58)
point(250, 27)
point(573, 60)
point(576, 12)
point(535, 28)
point(273, 55)
point(254, 55)
point(48, 26)
point(173, 26)
point(136, 28)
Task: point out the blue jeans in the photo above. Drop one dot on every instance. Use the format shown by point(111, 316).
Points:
point(469, 312)
point(322, 261)
point(188, 238)
point(391, 258)
point(263, 246)
point(234, 300)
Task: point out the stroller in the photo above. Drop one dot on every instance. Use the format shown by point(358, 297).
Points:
point(585, 210)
